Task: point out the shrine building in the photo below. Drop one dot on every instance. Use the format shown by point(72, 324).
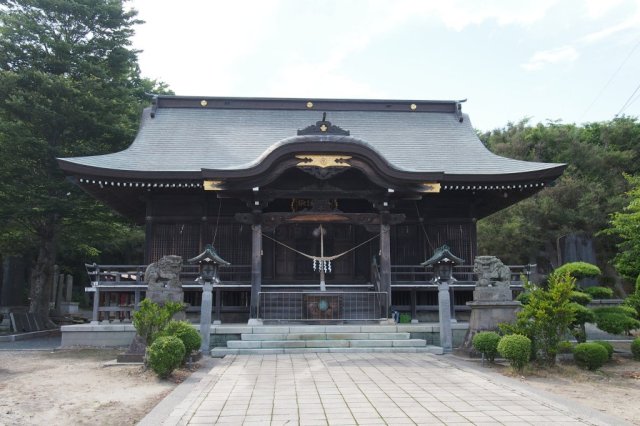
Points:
point(303, 197)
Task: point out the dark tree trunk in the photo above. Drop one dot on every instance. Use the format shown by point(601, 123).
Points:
point(42, 278)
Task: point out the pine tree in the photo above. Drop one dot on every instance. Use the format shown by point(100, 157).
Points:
point(69, 86)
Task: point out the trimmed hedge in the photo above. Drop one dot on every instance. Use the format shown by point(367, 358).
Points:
point(486, 342)
point(565, 347)
point(582, 314)
point(616, 323)
point(405, 318)
point(184, 331)
point(608, 346)
point(590, 355)
point(599, 292)
point(165, 354)
point(616, 320)
point(516, 348)
point(580, 298)
point(635, 348)
point(578, 270)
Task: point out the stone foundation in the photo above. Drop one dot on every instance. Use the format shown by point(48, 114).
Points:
point(486, 316)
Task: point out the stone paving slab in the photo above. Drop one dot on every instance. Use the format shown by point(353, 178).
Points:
point(365, 389)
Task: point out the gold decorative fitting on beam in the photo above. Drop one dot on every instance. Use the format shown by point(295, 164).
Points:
point(204, 103)
point(413, 107)
point(323, 161)
point(212, 185)
point(430, 187)
point(309, 104)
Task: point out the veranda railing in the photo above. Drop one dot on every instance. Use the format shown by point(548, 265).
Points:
point(118, 289)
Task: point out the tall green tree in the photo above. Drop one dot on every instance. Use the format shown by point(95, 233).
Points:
point(581, 201)
point(625, 224)
point(69, 86)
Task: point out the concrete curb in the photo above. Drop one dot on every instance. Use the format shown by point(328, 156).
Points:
point(30, 335)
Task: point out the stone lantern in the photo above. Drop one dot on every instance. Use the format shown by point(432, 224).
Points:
point(209, 262)
point(443, 262)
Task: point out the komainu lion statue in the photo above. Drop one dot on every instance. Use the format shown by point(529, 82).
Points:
point(490, 270)
point(163, 280)
point(494, 279)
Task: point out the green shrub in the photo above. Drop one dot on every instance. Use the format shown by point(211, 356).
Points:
point(405, 318)
point(151, 318)
point(582, 315)
point(184, 331)
point(638, 285)
point(516, 348)
point(633, 302)
point(578, 270)
point(616, 323)
point(565, 347)
point(524, 297)
point(590, 355)
point(486, 342)
point(599, 292)
point(548, 316)
point(165, 354)
point(581, 298)
point(608, 346)
point(635, 348)
point(620, 309)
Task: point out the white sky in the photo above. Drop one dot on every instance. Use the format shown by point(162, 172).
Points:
point(569, 60)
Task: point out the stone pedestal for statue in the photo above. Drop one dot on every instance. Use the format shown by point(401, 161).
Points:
point(135, 352)
point(493, 302)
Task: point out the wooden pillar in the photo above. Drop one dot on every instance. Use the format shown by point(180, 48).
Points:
point(148, 238)
point(136, 300)
point(256, 267)
point(385, 262)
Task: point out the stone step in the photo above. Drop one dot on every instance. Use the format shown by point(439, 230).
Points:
point(325, 336)
point(337, 343)
point(221, 352)
point(343, 328)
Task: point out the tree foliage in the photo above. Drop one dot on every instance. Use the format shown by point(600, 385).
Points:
point(151, 319)
point(579, 270)
point(69, 86)
point(547, 317)
point(581, 201)
point(626, 225)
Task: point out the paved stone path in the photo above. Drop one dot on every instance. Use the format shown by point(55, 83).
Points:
point(362, 389)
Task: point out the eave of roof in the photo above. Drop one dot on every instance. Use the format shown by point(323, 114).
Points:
point(187, 138)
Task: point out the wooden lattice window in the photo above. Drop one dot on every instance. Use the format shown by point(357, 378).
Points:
point(182, 239)
point(232, 241)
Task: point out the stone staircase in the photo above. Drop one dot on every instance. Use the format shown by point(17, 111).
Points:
point(283, 339)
